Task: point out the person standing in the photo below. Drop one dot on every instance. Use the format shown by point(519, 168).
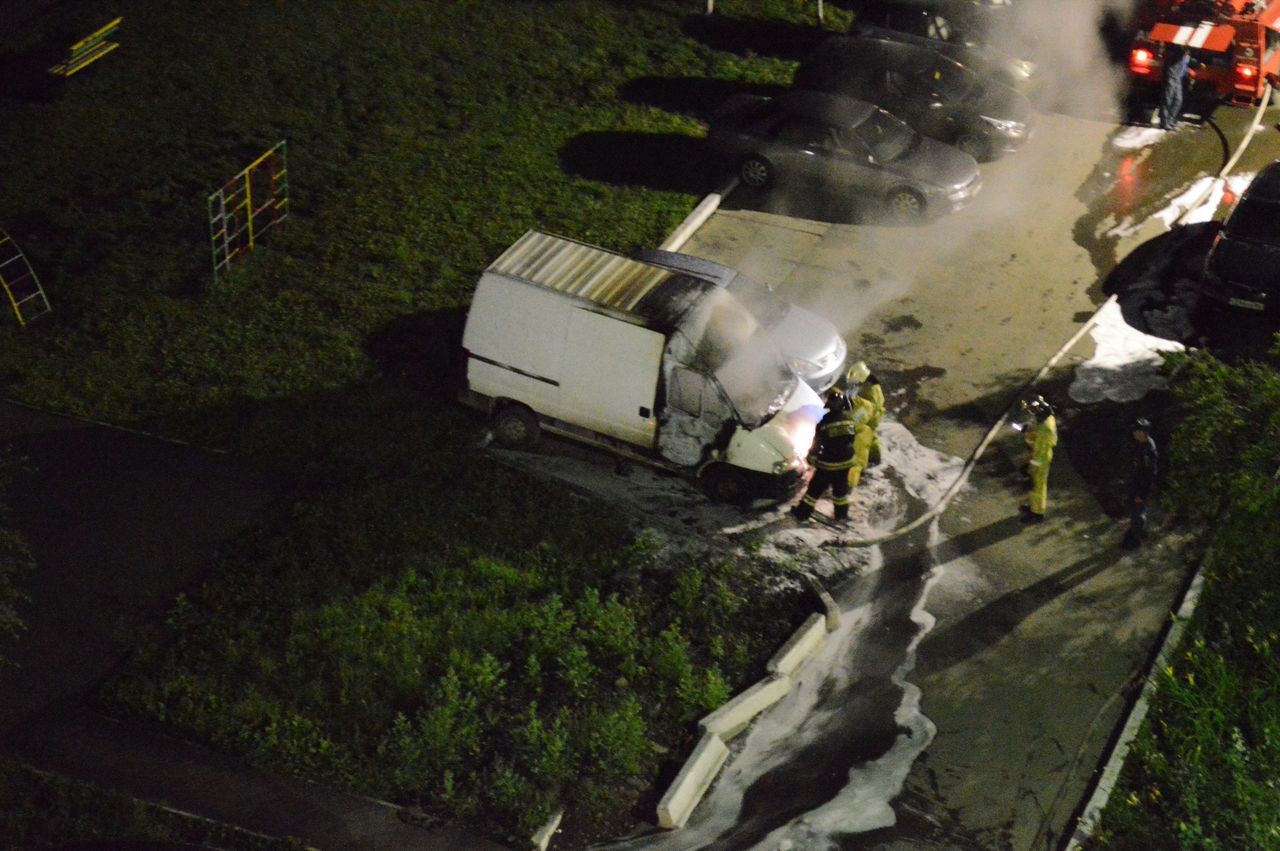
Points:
point(833, 451)
point(866, 416)
point(1176, 62)
point(1041, 436)
point(869, 388)
point(1142, 477)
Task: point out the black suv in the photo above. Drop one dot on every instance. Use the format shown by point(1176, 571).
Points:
point(1243, 266)
point(937, 96)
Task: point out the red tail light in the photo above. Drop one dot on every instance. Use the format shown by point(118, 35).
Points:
point(1246, 72)
point(1142, 61)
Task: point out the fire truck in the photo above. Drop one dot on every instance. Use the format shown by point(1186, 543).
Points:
point(1236, 43)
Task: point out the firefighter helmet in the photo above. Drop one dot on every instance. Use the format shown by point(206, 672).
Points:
point(857, 372)
point(1038, 407)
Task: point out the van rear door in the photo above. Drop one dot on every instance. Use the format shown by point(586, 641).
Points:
point(610, 376)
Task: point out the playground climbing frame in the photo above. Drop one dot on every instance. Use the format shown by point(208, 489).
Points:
point(20, 283)
point(247, 206)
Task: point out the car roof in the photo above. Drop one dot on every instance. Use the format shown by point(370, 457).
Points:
point(1266, 186)
point(835, 109)
point(852, 48)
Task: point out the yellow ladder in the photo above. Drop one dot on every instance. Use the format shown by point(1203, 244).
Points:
point(20, 282)
point(89, 49)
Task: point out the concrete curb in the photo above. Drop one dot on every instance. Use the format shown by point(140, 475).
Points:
point(734, 716)
point(698, 217)
point(803, 643)
point(543, 836)
point(738, 712)
point(692, 781)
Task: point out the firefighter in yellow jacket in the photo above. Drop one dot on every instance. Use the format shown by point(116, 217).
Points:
point(869, 388)
point(833, 456)
point(1041, 435)
point(868, 403)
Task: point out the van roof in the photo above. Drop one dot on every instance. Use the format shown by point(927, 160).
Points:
point(586, 271)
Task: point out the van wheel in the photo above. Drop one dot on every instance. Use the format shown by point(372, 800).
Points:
point(756, 172)
point(515, 426)
point(725, 484)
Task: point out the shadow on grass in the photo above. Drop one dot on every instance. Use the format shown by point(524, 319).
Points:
point(422, 351)
point(668, 162)
point(699, 97)
point(25, 77)
point(748, 36)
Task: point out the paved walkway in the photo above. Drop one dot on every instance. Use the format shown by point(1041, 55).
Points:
point(119, 523)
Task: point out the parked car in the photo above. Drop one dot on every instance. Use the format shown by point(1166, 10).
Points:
point(1018, 74)
point(811, 345)
point(986, 36)
point(1242, 269)
point(848, 144)
point(936, 95)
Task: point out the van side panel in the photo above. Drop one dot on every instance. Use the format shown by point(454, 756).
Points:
point(516, 335)
point(611, 377)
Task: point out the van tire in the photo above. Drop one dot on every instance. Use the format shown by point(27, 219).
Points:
point(726, 485)
point(515, 426)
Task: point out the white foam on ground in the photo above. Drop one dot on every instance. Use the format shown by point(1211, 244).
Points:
point(1126, 362)
point(863, 803)
point(1192, 205)
point(925, 473)
point(1136, 136)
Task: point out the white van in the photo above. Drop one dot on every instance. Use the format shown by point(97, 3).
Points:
point(647, 362)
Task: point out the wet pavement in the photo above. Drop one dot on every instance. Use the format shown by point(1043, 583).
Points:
point(1030, 639)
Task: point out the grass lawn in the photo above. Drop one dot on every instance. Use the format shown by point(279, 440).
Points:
point(414, 622)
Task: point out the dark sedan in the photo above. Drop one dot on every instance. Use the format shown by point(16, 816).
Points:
point(991, 38)
point(936, 95)
point(1243, 267)
point(838, 142)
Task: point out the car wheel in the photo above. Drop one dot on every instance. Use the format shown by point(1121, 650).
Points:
point(756, 172)
point(973, 144)
point(905, 205)
point(515, 426)
point(727, 485)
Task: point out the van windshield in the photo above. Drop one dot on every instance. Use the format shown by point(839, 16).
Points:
point(731, 344)
point(756, 381)
point(763, 302)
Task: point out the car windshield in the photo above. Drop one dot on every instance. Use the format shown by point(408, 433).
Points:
point(949, 83)
point(1256, 221)
point(886, 137)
